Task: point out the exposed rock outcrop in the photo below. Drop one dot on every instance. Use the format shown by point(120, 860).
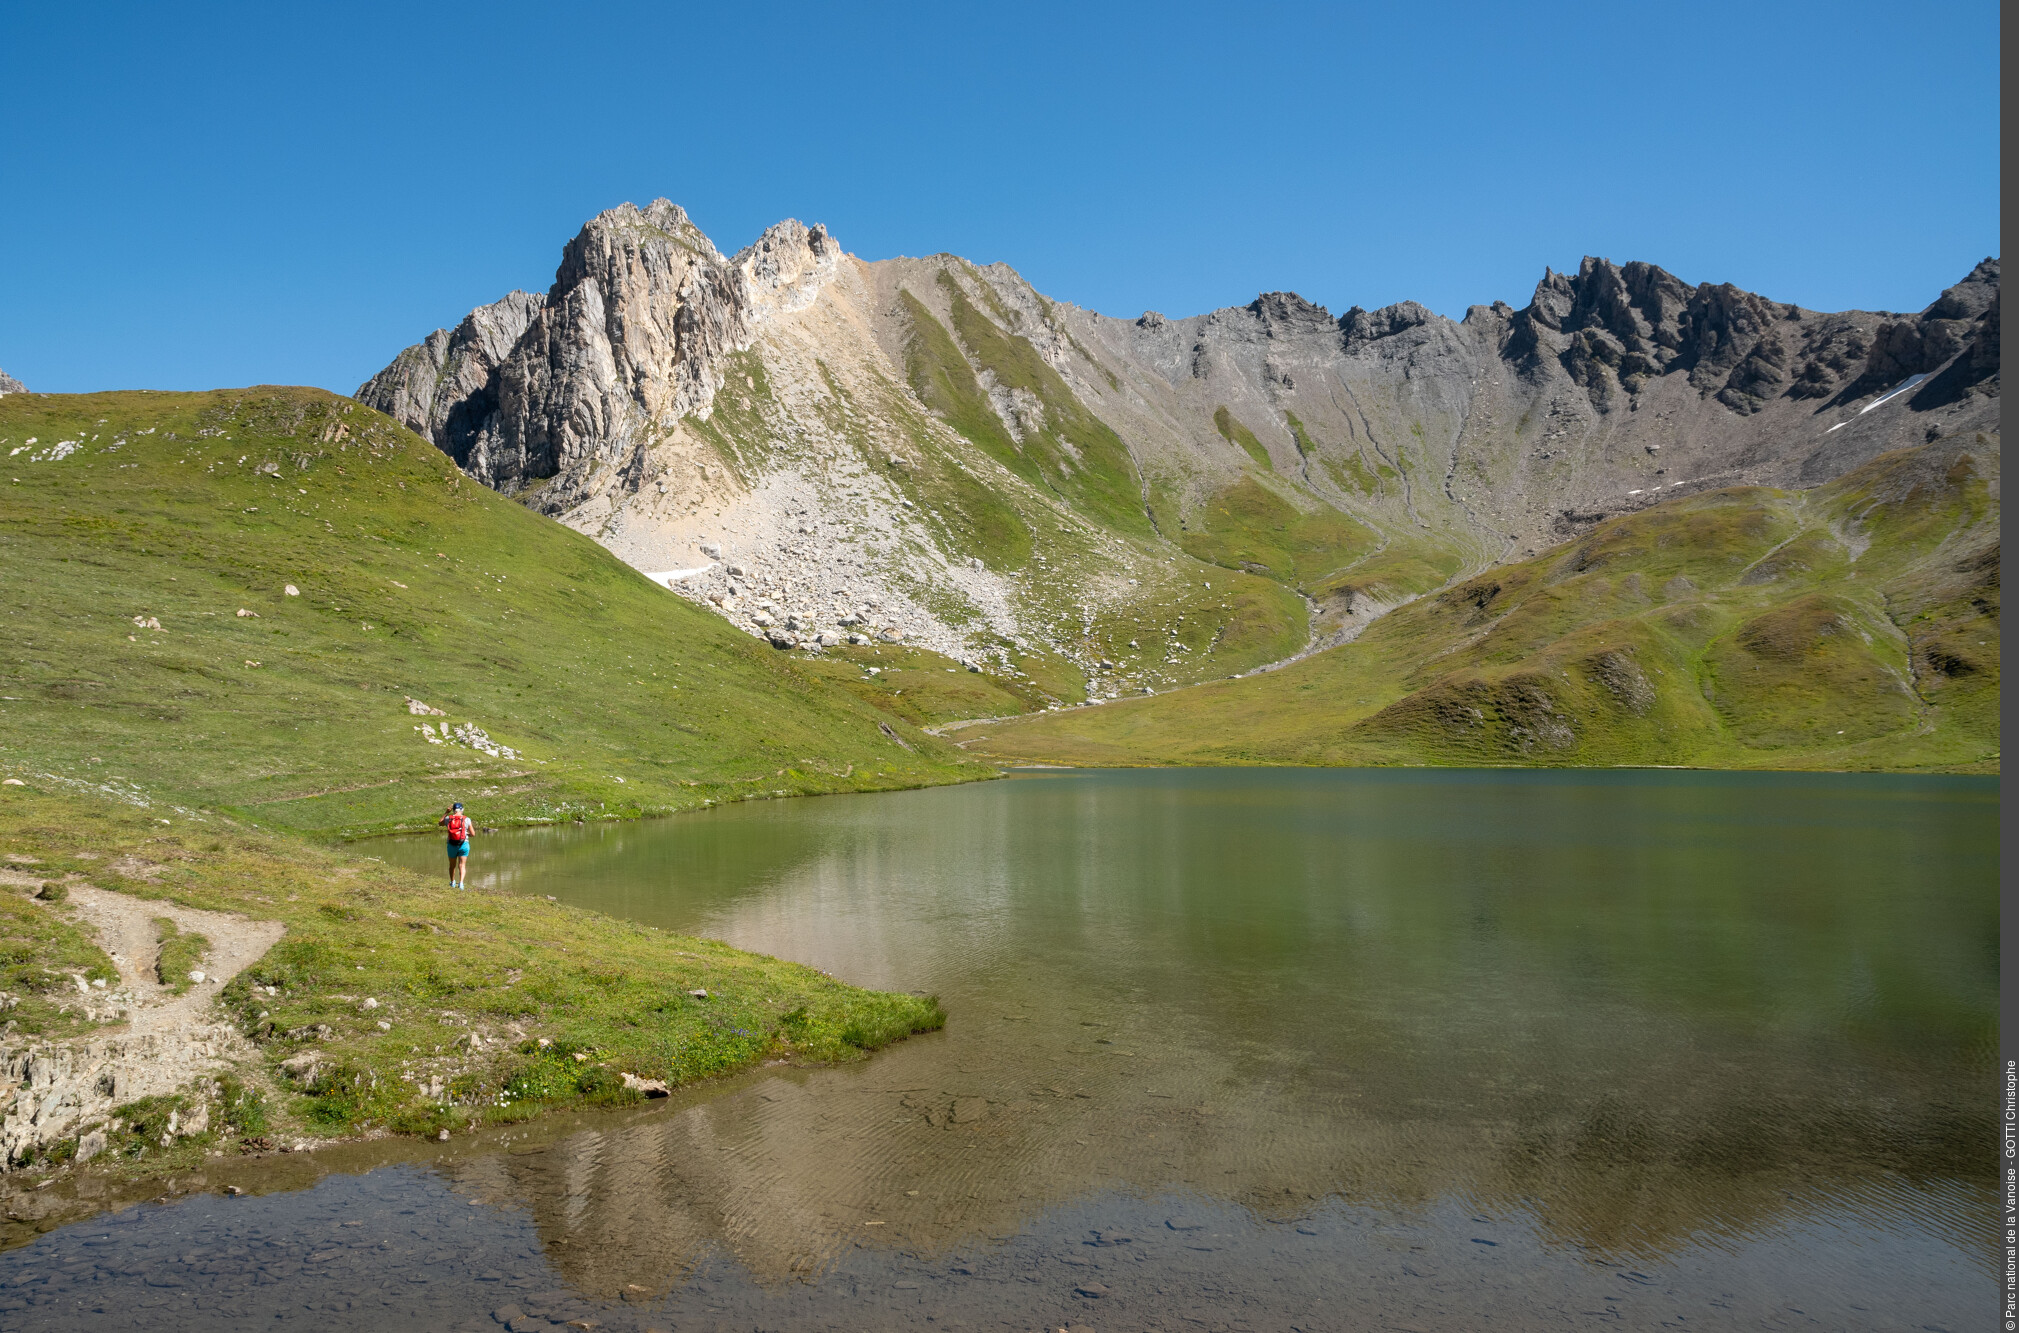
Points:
point(566, 389)
point(863, 397)
point(8, 384)
point(446, 387)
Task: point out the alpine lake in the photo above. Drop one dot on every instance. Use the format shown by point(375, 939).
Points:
point(1254, 1049)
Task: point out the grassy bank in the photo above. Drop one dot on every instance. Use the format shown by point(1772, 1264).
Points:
point(394, 1005)
point(240, 626)
point(1853, 626)
point(235, 601)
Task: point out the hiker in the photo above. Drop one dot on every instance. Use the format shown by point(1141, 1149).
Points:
point(460, 827)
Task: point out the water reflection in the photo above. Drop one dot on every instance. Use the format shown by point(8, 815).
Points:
point(1640, 1009)
point(1441, 1046)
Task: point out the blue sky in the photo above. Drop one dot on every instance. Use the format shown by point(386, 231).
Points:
point(194, 196)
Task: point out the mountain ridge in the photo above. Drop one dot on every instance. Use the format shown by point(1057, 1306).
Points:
point(925, 449)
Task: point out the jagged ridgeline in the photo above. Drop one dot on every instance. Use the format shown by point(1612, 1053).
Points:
point(281, 603)
point(854, 455)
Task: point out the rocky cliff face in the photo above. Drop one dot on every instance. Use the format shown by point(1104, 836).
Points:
point(446, 388)
point(930, 449)
point(8, 384)
point(555, 393)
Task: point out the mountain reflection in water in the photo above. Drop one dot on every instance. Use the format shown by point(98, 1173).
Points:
point(1642, 1010)
point(1248, 1048)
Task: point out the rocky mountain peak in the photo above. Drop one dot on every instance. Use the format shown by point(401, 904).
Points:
point(1976, 293)
point(1957, 336)
point(1287, 312)
point(1615, 327)
point(8, 384)
point(662, 218)
point(1359, 327)
point(631, 338)
point(786, 266)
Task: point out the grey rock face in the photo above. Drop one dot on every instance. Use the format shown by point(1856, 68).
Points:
point(567, 388)
point(1958, 330)
point(1612, 327)
point(445, 388)
point(826, 480)
point(8, 384)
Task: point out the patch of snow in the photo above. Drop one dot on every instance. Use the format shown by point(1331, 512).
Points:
point(672, 576)
point(1889, 397)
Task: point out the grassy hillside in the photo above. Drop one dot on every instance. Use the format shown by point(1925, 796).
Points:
point(228, 599)
point(1851, 626)
point(1074, 452)
point(482, 1007)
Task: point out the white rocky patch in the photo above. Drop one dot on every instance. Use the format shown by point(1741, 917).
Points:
point(466, 734)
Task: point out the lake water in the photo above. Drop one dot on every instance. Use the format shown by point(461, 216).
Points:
point(1227, 1049)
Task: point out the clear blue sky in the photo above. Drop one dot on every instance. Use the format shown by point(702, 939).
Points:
point(218, 194)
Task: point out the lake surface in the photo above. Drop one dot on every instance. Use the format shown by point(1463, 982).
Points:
point(1227, 1049)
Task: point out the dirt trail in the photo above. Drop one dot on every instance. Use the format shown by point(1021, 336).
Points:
point(54, 1089)
point(125, 929)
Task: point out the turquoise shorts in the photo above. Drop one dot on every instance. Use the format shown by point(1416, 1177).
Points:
point(457, 849)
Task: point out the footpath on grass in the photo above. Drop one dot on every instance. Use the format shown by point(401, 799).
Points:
point(290, 993)
point(243, 625)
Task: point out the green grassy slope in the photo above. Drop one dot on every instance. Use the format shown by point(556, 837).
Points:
point(1250, 526)
point(1851, 626)
point(485, 1007)
point(597, 691)
point(1070, 450)
point(1234, 433)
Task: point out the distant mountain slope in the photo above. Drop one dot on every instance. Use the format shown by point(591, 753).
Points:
point(1854, 625)
point(930, 450)
point(235, 599)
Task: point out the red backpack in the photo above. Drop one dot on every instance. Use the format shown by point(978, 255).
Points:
point(459, 828)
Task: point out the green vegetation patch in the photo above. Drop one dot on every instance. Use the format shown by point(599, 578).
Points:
point(927, 688)
point(1238, 435)
point(1395, 573)
point(177, 954)
point(1248, 526)
point(1811, 670)
point(946, 384)
point(1306, 443)
point(394, 1003)
point(150, 644)
point(1070, 450)
point(47, 962)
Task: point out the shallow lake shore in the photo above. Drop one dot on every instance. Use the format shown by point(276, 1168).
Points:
point(385, 1004)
